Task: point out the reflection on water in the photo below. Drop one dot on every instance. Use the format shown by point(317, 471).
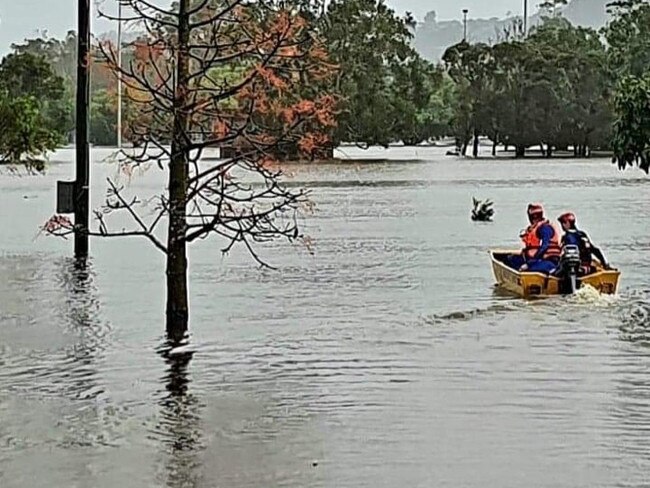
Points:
point(55, 316)
point(81, 316)
point(179, 428)
point(384, 359)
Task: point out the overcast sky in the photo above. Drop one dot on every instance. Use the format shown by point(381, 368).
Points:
point(24, 18)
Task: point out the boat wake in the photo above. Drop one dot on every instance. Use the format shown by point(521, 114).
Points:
point(588, 295)
point(462, 316)
point(634, 316)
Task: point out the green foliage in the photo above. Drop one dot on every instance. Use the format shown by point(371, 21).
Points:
point(103, 119)
point(573, 64)
point(550, 89)
point(421, 111)
point(33, 109)
point(31, 75)
point(628, 37)
point(562, 86)
point(24, 135)
point(367, 40)
point(389, 93)
point(60, 56)
point(629, 60)
point(632, 127)
point(550, 7)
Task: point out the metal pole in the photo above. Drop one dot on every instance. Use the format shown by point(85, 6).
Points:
point(465, 11)
point(525, 18)
point(82, 193)
point(119, 76)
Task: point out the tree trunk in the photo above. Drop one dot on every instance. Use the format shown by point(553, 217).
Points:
point(494, 146)
point(476, 144)
point(549, 151)
point(177, 296)
point(520, 151)
point(464, 148)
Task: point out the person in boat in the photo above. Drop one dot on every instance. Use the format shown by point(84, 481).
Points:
point(576, 237)
point(541, 252)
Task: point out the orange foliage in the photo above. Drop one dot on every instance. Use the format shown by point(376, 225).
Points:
point(287, 69)
point(264, 139)
point(269, 76)
point(289, 51)
point(311, 142)
point(321, 110)
point(220, 128)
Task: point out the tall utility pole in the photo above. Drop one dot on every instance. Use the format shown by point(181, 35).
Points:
point(119, 76)
point(81, 190)
point(465, 12)
point(525, 18)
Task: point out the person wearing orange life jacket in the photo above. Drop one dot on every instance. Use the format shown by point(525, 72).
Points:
point(541, 252)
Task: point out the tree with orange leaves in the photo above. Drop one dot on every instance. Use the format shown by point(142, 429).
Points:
point(209, 73)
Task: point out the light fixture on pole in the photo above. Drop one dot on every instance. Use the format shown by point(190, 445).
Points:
point(465, 12)
point(525, 18)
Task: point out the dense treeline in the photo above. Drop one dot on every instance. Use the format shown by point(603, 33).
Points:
point(551, 89)
point(559, 88)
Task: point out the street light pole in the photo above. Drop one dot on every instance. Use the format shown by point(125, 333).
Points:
point(465, 11)
point(119, 76)
point(81, 187)
point(525, 18)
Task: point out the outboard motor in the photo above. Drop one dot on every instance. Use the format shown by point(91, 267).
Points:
point(569, 267)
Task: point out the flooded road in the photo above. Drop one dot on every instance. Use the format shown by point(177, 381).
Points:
point(384, 359)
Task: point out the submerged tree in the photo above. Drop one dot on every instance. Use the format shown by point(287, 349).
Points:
point(551, 89)
point(209, 73)
point(470, 67)
point(421, 102)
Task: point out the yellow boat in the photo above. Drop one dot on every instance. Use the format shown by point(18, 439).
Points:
point(531, 285)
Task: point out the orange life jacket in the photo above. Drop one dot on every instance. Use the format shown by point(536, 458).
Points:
point(532, 242)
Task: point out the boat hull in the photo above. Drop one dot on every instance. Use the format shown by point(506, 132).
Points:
point(532, 285)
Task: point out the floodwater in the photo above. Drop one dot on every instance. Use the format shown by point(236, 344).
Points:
point(384, 359)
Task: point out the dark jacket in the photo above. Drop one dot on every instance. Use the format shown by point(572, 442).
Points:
point(576, 237)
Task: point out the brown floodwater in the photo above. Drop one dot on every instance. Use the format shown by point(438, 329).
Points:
point(384, 359)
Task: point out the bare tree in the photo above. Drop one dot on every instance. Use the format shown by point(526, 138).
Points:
point(217, 73)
